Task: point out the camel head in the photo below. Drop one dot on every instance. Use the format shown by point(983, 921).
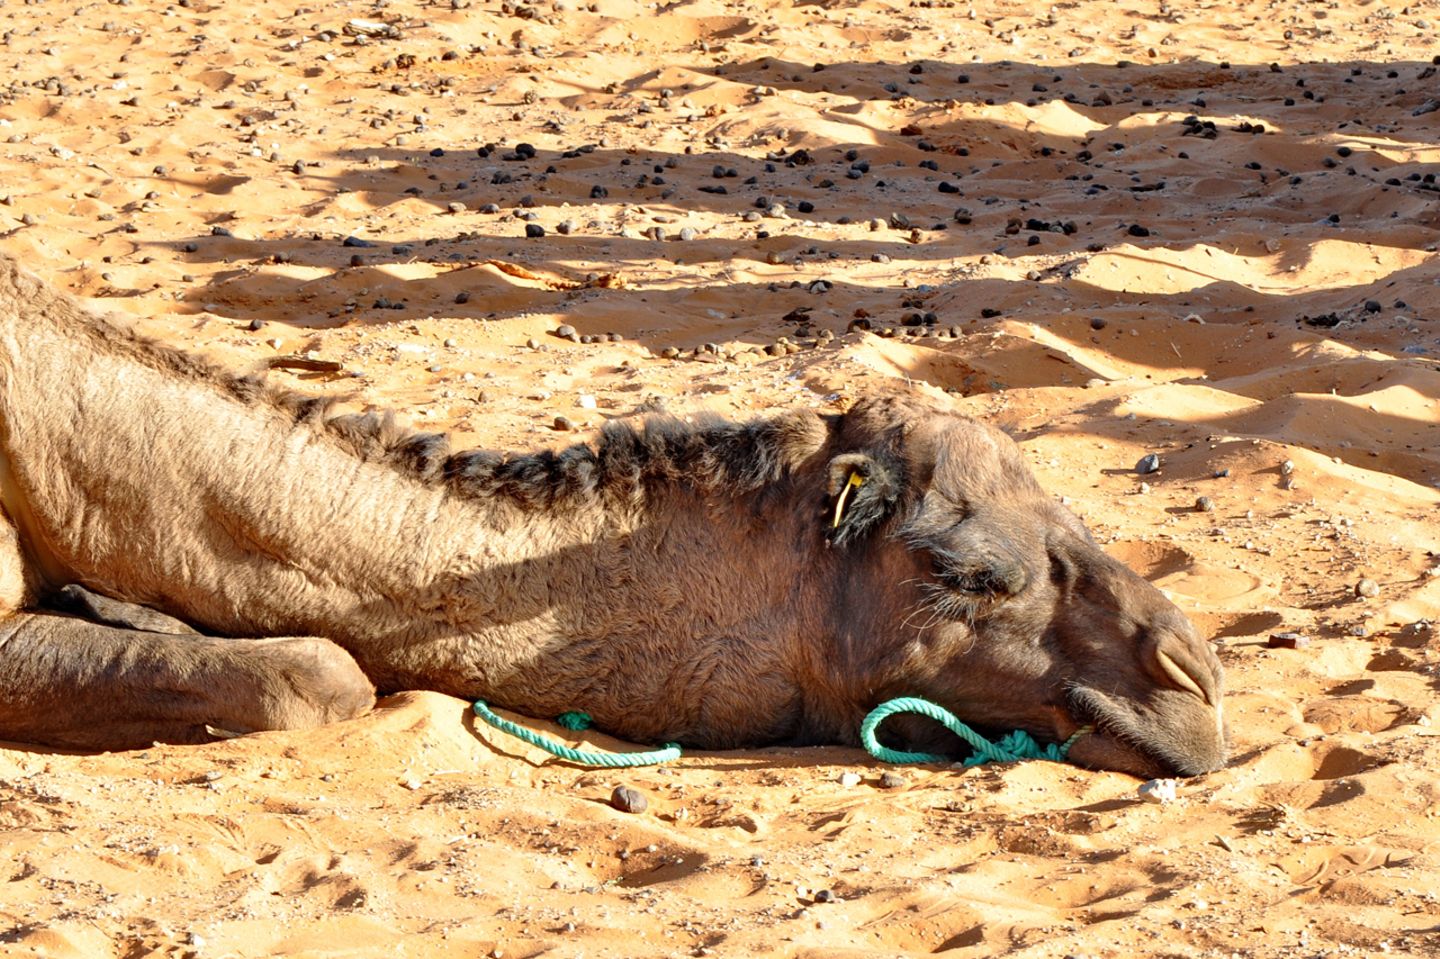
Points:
point(1000, 606)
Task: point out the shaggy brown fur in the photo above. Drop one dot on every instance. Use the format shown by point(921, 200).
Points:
point(677, 581)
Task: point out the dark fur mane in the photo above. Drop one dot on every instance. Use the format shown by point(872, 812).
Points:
point(623, 461)
point(627, 459)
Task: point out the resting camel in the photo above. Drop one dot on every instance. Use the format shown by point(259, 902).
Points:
point(719, 584)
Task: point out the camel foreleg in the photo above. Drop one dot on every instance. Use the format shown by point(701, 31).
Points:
point(71, 683)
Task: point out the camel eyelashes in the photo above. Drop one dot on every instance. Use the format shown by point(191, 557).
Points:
point(980, 579)
point(959, 582)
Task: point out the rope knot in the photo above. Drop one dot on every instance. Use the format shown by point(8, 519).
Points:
point(575, 720)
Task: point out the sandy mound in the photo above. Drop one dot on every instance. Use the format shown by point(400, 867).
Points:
point(1207, 231)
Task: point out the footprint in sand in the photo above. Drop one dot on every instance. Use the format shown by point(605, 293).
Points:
point(925, 923)
point(1312, 766)
point(1191, 583)
point(1348, 714)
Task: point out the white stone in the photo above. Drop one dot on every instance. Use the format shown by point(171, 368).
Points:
point(1158, 791)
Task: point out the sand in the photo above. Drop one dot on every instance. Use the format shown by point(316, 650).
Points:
point(1202, 230)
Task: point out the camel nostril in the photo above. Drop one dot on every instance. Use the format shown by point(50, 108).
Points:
point(1179, 677)
point(1183, 661)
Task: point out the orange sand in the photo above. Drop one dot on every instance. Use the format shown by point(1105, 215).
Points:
point(198, 166)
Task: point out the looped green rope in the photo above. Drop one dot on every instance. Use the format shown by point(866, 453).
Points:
point(577, 721)
point(1014, 746)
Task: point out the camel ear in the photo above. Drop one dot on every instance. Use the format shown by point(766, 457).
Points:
point(863, 492)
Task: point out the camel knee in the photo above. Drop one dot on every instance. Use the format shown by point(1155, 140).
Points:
point(311, 682)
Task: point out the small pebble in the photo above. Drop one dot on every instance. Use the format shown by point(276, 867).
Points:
point(1204, 504)
point(1367, 588)
point(1158, 791)
point(849, 780)
point(564, 424)
point(891, 780)
point(567, 332)
point(1149, 463)
point(626, 799)
point(1287, 467)
point(534, 231)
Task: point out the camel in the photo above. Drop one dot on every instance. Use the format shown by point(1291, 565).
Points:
point(247, 558)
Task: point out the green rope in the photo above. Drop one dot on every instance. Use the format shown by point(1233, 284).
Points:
point(1014, 746)
point(577, 721)
point(1017, 745)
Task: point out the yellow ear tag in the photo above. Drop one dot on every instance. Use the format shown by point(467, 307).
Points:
point(855, 482)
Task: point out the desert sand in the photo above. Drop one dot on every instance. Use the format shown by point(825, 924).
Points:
point(1202, 230)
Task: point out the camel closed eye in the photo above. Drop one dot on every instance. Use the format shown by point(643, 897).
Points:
point(978, 581)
